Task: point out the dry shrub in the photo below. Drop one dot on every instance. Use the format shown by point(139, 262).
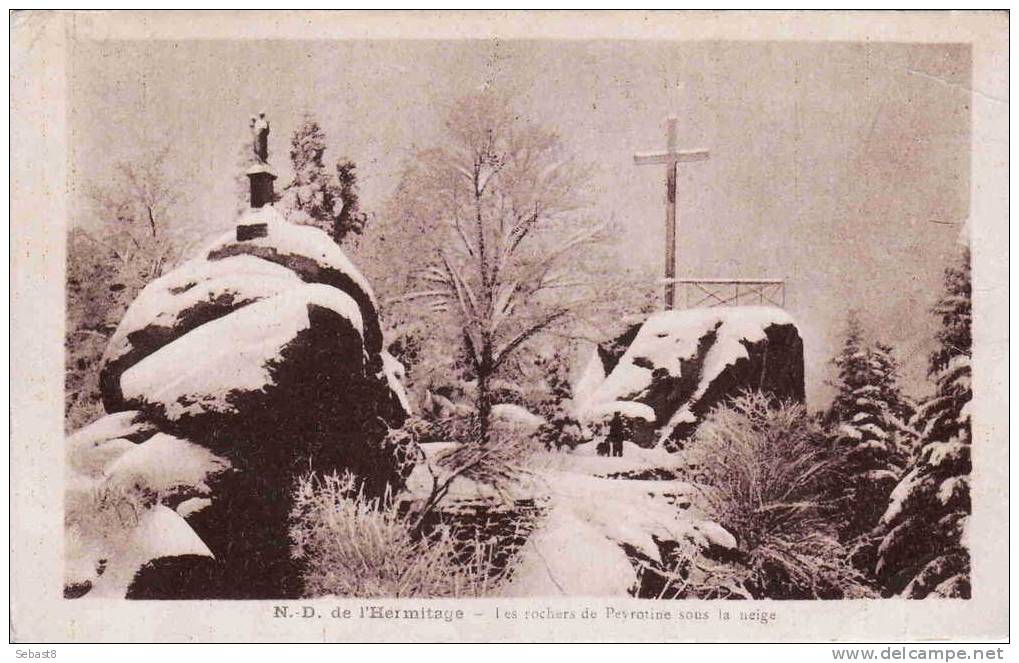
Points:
point(766, 471)
point(352, 545)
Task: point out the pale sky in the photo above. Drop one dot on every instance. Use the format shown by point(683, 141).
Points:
point(843, 168)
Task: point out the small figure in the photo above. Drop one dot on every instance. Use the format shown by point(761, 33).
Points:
point(260, 134)
point(615, 436)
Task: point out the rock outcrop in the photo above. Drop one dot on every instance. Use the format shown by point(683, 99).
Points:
point(681, 364)
point(262, 359)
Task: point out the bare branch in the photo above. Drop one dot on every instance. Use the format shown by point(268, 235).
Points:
point(501, 355)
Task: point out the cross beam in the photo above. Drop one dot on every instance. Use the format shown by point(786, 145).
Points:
point(670, 158)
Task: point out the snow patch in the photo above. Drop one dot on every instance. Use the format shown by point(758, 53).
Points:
point(544, 569)
point(160, 303)
point(395, 372)
point(635, 459)
point(851, 432)
point(301, 240)
point(937, 453)
point(950, 487)
point(900, 494)
point(164, 465)
point(515, 414)
point(591, 377)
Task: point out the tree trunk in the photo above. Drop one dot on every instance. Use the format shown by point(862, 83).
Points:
point(485, 365)
point(484, 404)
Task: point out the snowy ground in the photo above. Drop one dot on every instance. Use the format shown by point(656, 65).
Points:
point(580, 547)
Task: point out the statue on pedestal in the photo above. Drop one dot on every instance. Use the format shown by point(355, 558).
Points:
point(260, 137)
point(260, 175)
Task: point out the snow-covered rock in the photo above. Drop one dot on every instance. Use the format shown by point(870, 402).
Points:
point(683, 363)
point(117, 503)
point(90, 450)
point(258, 360)
point(242, 357)
point(107, 567)
point(165, 466)
point(515, 416)
point(229, 274)
point(195, 293)
point(595, 527)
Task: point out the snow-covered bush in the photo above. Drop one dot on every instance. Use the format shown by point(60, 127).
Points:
point(356, 546)
point(561, 431)
point(765, 471)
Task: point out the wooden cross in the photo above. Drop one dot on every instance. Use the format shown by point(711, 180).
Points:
point(670, 157)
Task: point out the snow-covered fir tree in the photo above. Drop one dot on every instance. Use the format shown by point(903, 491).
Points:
point(561, 428)
point(922, 551)
point(867, 415)
point(316, 196)
point(900, 410)
point(350, 220)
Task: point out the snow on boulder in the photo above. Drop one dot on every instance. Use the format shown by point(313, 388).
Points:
point(394, 374)
point(90, 450)
point(277, 388)
point(118, 515)
point(683, 363)
point(165, 467)
point(309, 253)
point(239, 356)
point(160, 534)
point(195, 293)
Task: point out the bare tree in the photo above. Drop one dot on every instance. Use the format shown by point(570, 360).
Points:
point(497, 211)
point(133, 211)
point(132, 236)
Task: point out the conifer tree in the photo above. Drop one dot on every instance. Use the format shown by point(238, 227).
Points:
point(922, 552)
point(316, 196)
point(900, 410)
point(851, 366)
point(862, 416)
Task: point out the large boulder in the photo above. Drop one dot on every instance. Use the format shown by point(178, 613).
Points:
point(681, 364)
point(227, 275)
point(128, 491)
point(266, 354)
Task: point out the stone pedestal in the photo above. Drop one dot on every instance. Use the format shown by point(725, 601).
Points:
point(261, 178)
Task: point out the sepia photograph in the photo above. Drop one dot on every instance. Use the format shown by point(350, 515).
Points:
point(666, 321)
